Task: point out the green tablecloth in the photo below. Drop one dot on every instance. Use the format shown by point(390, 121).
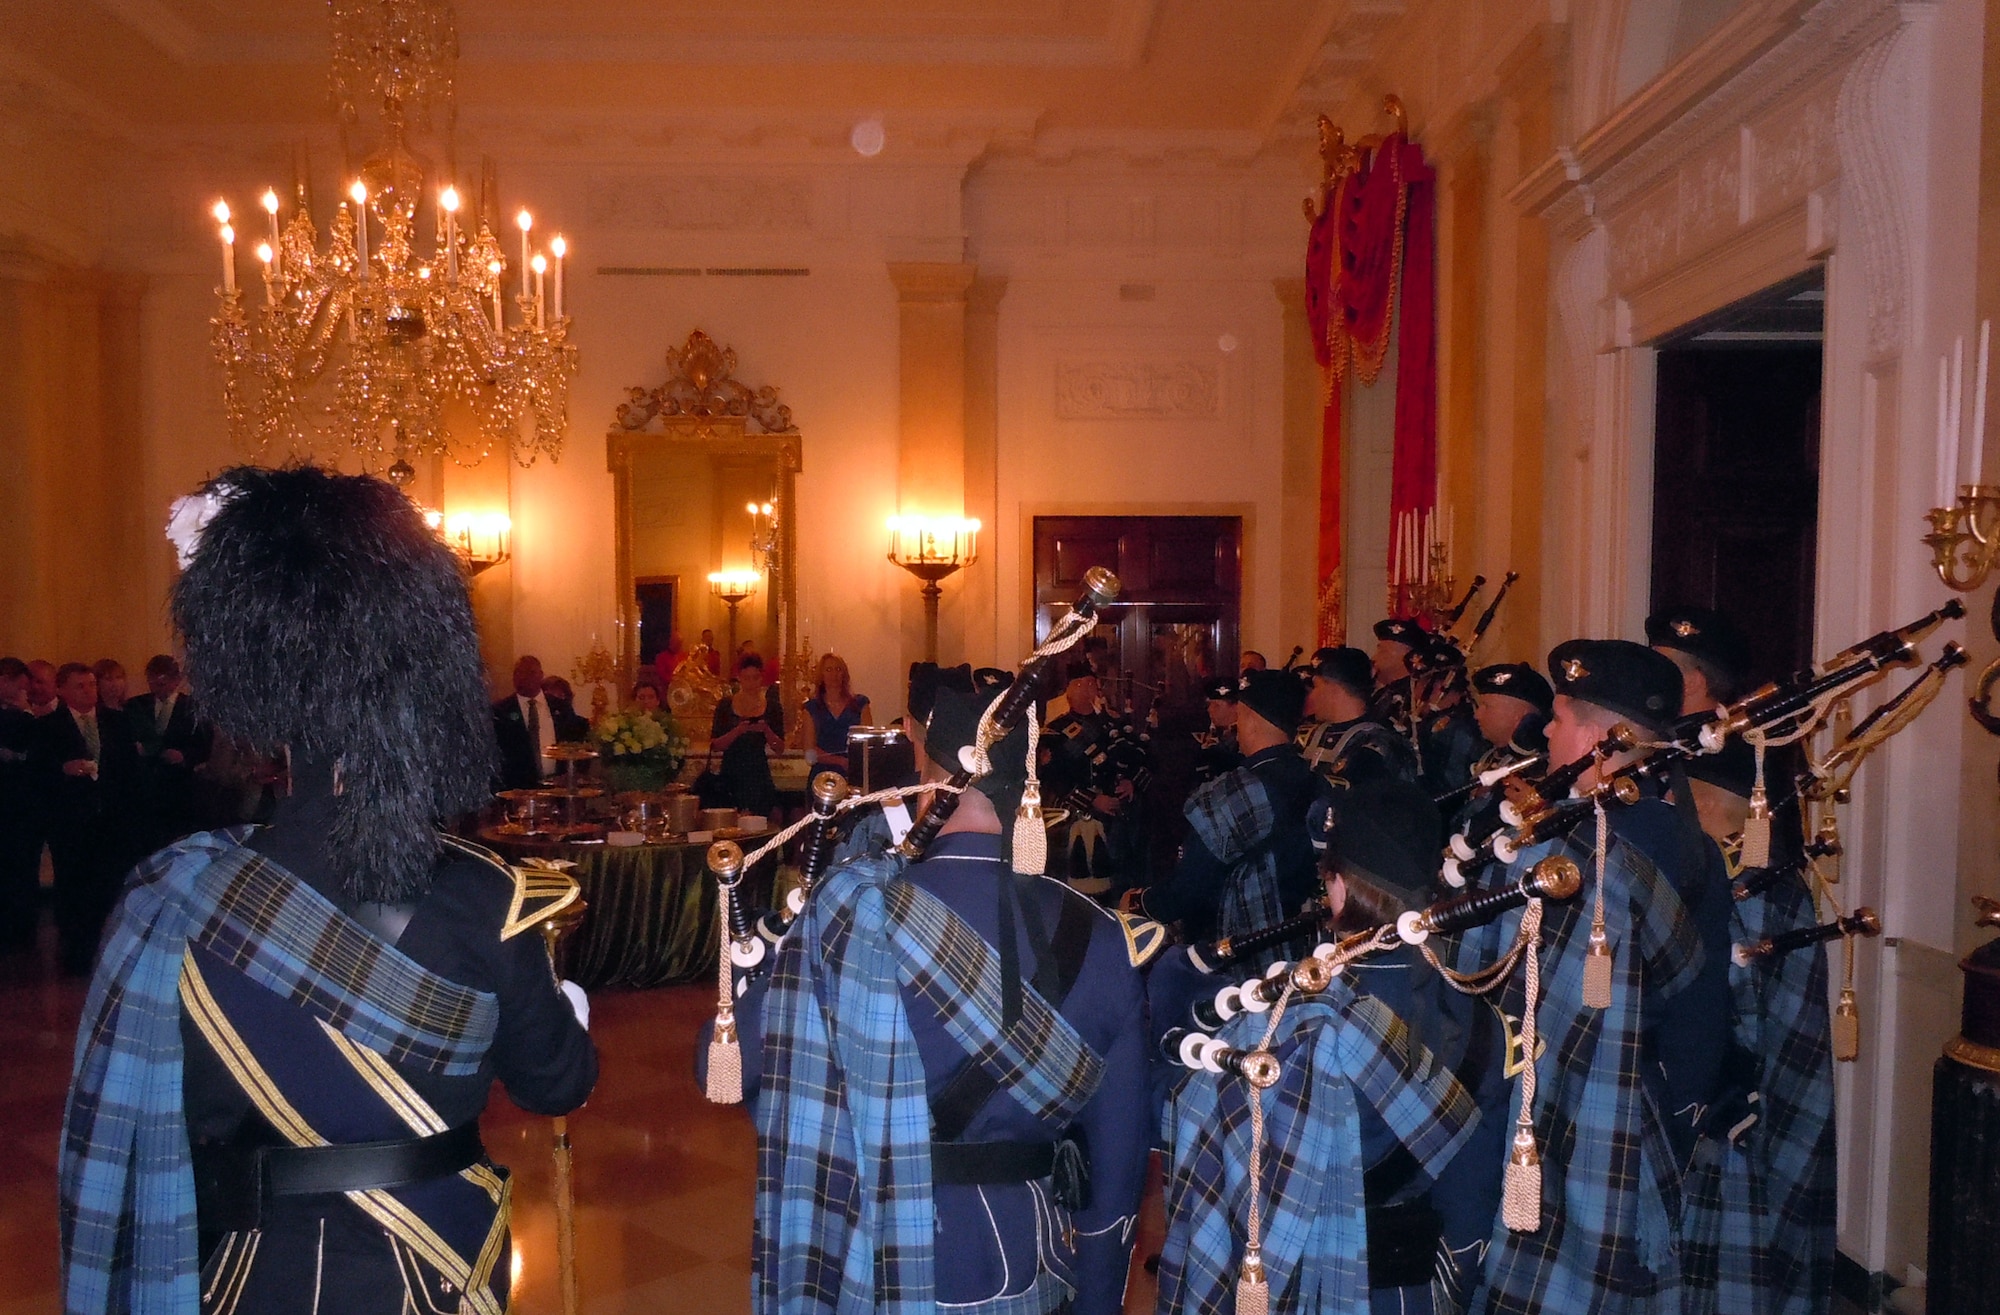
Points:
point(651, 915)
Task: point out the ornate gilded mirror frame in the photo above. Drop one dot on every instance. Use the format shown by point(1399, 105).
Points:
point(703, 410)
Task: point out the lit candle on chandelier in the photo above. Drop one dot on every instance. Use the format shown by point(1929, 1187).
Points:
point(228, 234)
point(540, 264)
point(559, 248)
point(271, 209)
point(526, 222)
point(360, 194)
point(265, 254)
point(448, 202)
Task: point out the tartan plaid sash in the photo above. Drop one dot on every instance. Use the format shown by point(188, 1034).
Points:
point(845, 1221)
point(1610, 1186)
point(125, 1175)
point(1233, 816)
point(1337, 1049)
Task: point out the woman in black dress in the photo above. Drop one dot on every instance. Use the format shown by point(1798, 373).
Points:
point(748, 725)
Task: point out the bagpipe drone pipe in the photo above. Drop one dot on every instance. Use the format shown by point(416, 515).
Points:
point(751, 938)
point(1537, 808)
point(1100, 590)
point(1556, 877)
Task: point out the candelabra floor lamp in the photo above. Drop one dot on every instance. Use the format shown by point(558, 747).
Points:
point(732, 588)
point(932, 550)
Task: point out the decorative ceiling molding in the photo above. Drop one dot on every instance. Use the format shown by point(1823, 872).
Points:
point(1755, 57)
point(1329, 76)
point(1119, 41)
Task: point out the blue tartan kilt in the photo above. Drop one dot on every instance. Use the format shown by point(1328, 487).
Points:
point(1722, 1224)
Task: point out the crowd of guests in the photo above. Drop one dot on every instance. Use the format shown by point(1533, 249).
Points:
point(96, 777)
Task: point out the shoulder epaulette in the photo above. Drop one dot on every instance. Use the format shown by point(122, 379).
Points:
point(542, 887)
point(1144, 938)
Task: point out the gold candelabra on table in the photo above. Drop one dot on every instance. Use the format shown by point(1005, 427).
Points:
point(597, 668)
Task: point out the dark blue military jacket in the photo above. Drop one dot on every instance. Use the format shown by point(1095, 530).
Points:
point(1448, 743)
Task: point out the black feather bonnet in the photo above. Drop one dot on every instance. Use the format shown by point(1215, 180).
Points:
point(321, 615)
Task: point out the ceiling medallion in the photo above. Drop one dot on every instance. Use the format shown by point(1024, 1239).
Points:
point(365, 342)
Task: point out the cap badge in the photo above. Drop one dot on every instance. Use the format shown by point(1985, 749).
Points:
point(1573, 669)
point(1501, 677)
point(1684, 628)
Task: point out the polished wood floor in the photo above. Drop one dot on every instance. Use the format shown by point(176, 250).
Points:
point(663, 1179)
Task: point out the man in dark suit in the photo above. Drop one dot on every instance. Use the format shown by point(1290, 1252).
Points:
point(527, 723)
point(20, 811)
point(87, 761)
point(171, 745)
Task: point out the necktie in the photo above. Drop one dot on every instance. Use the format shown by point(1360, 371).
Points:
point(163, 712)
point(535, 730)
point(88, 723)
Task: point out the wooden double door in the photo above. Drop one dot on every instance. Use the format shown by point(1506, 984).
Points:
point(1177, 622)
point(1736, 494)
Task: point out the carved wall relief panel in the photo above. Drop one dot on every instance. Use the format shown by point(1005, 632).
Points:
point(696, 204)
point(1137, 390)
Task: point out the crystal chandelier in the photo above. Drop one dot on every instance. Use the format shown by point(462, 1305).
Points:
point(362, 339)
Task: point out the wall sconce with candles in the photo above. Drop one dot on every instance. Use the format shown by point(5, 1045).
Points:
point(1965, 531)
point(482, 540)
point(732, 588)
point(932, 548)
point(763, 531)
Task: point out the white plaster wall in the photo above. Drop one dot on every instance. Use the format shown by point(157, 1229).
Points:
point(1077, 244)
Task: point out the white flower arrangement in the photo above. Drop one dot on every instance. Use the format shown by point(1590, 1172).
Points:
point(655, 737)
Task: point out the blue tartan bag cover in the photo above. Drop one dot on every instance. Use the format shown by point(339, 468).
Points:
point(1336, 1049)
point(845, 1222)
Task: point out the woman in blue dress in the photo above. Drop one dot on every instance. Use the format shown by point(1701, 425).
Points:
point(835, 710)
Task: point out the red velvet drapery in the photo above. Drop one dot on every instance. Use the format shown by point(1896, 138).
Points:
point(1376, 228)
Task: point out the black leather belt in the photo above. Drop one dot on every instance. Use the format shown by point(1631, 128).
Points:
point(1403, 1243)
point(963, 1163)
point(231, 1183)
point(1064, 1163)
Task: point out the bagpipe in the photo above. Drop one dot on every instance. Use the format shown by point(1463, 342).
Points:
point(1535, 809)
point(745, 943)
point(1549, 805)
point(1487, 778)
point(1016, 705)
point(1544, 806)
point(1556, 877)
point(1862, 922)
point(1783, 701)
point(1777, 713)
